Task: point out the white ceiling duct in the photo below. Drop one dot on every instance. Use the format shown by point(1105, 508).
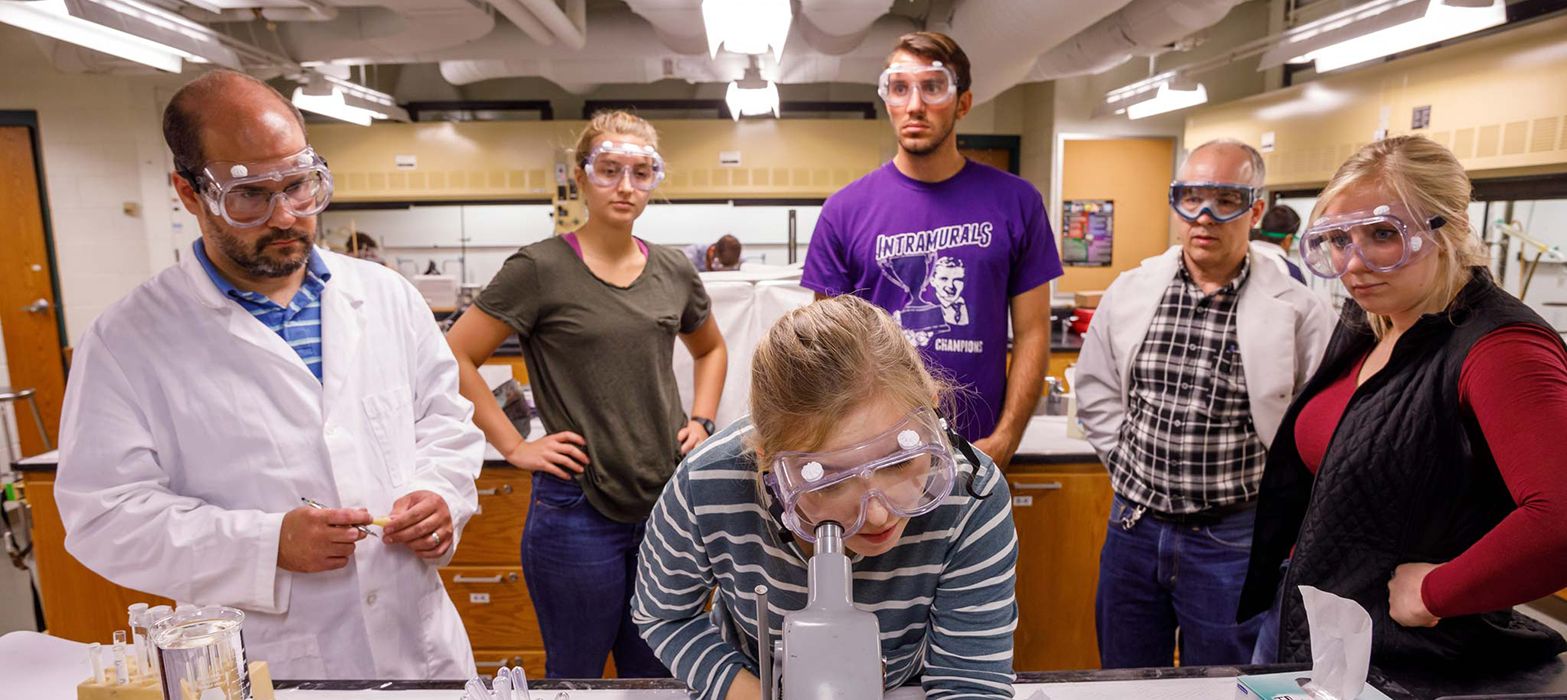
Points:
point(678, 23)
point(524, 20)
point(1004, 37)
point(377, 32)
point(839, 26)
point(621, 50)
point(570, 25)
point(1142, 28)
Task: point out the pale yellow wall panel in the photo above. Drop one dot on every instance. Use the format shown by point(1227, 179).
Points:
point(515, 160)
point(1135, 173)
point(1495, 102)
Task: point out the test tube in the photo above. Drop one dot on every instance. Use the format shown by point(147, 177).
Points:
point(155, 613)
point(96, 658)
point(121, 672)
point(137, 613)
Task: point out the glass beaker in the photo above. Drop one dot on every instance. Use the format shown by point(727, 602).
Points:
point(202, 654)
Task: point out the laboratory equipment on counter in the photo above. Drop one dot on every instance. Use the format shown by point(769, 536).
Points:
point(510, 684)
point(831, 650)
point(133, 677)
point(202, 656)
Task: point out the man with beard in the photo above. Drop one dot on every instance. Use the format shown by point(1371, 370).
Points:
point(882, 238)
point(209, 404)
point(1186, 372)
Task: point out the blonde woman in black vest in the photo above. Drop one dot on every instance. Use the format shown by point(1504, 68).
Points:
point(1418, 473)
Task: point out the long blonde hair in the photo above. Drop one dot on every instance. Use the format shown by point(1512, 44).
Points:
point(822, 360)
point(1426, 176)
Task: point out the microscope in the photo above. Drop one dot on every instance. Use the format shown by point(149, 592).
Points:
point(830, 650)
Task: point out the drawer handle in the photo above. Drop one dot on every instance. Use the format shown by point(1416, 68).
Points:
point(1046, 486)
point(508, 578)
point(504, 490)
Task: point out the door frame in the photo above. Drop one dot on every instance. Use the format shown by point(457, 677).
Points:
point(28, 119)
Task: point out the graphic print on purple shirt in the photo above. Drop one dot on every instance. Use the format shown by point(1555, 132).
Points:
point(945, 259)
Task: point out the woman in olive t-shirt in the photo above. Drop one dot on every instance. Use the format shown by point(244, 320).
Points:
point(597, 311)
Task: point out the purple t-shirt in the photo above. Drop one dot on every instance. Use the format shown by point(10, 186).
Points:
point(946, 259)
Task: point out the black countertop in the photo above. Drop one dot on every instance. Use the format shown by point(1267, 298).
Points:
point(1409, 684)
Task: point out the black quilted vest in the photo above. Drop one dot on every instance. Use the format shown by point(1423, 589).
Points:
point(1408, 477)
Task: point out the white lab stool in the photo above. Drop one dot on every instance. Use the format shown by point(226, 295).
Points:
point(9, 395)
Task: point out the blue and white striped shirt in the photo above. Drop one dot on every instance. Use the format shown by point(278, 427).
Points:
point(299, 323)
point(943, 596)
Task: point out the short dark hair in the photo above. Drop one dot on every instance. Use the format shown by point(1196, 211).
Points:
point(728, 249)
point(1281, 219)
point(182, 117)
point(935, 46)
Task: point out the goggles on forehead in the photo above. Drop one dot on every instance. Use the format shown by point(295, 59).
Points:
point(610, 162)
point(934, 83)
point(1221, 201)
point(246, 194)
point(909, 469)
point(1381, 238)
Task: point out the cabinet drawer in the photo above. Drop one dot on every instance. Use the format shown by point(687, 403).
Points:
point(494, 605)
point(490, 660)
point(493, 536)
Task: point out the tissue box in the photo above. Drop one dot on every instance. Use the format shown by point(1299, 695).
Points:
point(1283, 686)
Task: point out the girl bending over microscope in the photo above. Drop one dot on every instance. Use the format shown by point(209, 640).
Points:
point(844, 428)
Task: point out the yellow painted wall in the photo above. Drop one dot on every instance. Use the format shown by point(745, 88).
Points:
point(512, 160)
point(1499, 102)
point(1135, 173)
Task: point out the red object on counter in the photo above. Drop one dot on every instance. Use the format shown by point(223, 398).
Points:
point(1080, 319)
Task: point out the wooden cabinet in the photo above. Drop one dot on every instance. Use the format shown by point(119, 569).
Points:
point(485, 576)
point(1061, 512)
point(79, 605)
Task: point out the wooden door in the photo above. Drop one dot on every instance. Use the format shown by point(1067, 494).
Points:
point(998, 158)
point(1134, 173)
point(1061, 514)
point(28, 308)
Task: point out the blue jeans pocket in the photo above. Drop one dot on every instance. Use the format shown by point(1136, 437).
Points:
point(1234, 531)
point(551, 492)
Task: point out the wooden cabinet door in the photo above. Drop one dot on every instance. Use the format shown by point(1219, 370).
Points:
point(1061, 521)
point(493, 536)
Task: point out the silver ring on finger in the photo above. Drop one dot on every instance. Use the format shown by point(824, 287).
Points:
point(436, 537)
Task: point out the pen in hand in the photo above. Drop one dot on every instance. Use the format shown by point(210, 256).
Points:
point(318, 506)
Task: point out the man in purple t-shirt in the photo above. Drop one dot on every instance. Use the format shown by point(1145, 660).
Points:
point(949, 246)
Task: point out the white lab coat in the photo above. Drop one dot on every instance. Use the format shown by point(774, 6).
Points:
point(1282, 329)
point(189, 429)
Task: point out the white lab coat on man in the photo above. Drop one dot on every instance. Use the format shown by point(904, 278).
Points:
point(1281, 327)
point(190, 428)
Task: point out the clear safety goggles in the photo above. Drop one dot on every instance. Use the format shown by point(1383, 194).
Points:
point(246, 194)
point(909, 469)
point(1221, 201)
point(934, 83)
point(609, 163)
point(1381, 238)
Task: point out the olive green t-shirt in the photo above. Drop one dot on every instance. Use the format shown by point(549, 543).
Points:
point(600, 359)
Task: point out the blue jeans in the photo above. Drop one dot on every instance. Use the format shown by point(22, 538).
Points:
point(581, 569)
point(1267, 649)
point(1159, 577)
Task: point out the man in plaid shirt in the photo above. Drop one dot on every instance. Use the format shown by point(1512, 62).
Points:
point(1187, 369)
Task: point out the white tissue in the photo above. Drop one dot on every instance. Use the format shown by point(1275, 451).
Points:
point(1340, 645)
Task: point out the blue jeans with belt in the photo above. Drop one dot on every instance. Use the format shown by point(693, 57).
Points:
point(581, 570)
point(1159, 577)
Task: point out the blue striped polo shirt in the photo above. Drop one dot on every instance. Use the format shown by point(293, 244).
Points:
point(299, 323)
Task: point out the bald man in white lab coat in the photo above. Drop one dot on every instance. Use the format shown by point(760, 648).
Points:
point(260, 370)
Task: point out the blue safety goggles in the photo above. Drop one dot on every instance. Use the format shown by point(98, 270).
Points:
point(1221, 201)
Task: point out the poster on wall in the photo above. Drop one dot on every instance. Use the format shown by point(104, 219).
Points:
point(1087, 230)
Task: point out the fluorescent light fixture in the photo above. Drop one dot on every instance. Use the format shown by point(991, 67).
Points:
point(155, 24)
point(1384, 28)
point(340, 99)
point(747, 26)
point(53, 19)
point(1168, 99)
point(751, 95)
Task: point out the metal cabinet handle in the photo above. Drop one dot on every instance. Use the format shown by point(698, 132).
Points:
point(38, 306)
point(1045, 486)
point(504, 490)
point(508, 578)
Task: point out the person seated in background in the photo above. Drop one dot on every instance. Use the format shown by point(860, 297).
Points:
point(843, 427)
point(362, 246)
point(1279, 227)
point(720, 256)
point(1418, 473)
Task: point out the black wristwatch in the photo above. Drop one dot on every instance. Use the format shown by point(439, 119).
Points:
point(706, 423)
